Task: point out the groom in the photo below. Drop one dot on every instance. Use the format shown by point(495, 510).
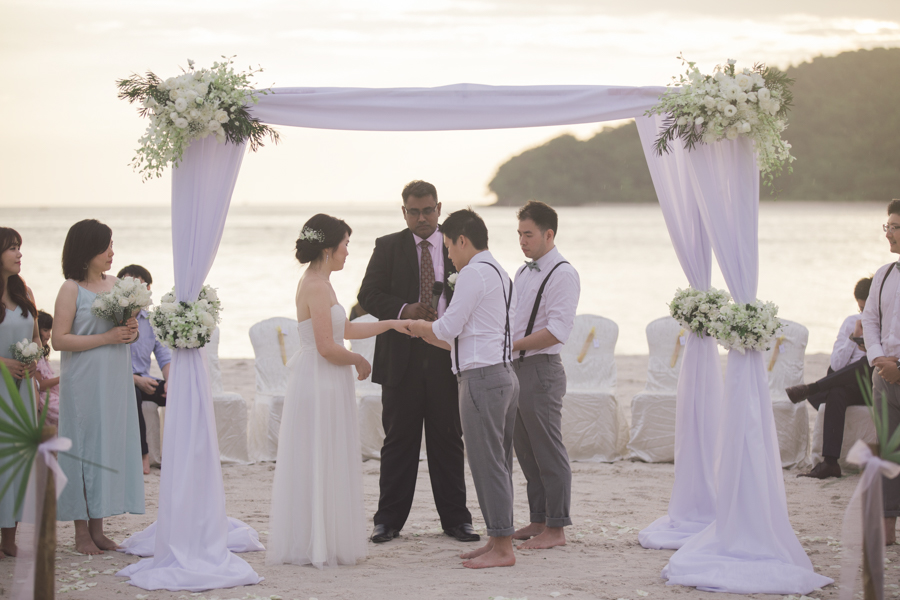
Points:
point(417, 383)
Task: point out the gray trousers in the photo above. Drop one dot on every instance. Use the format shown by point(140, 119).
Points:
point(883, 391)
point(487, 410)
point(538, 438)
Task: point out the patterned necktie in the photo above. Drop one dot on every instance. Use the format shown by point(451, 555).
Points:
point(426, 274)
point(532, 264)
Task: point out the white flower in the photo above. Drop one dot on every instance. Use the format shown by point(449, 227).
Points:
point(180, 104)
point(698, 121)
point(745, 82)
point(168, 307)
point(210, 293)
point(682, 121)
point(763, 94)
point(730, 111)
point(731, 133)
point(181, 123)
point(451, 280)
point(221, 116)
point(214, 126)
point(207, 320)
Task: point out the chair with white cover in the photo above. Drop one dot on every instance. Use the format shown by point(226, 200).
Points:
point(274, 341)
point(593, 422)
point(653, 409)
point(858, 425)
point(784, 361)
point(368, 397)
point(232, 413)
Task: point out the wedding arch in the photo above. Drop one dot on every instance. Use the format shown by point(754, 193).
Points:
point(728, 511)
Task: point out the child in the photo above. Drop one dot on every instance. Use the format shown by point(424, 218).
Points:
point(46, 379)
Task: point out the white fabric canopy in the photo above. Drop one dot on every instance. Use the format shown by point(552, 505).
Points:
point(699, 396)
point(192, 531)
point(751, 546)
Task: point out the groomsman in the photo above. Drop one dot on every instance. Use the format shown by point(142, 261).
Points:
point(547, 288)
point(477, 329)
point(881, 331)
point(417, 384)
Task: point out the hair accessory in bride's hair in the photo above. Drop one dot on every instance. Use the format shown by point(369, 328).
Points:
point(312, 235)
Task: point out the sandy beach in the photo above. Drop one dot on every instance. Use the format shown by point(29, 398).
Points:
point(610, 504)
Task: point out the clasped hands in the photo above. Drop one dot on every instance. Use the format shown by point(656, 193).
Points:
point(124, 334)
point(887, 368)
point(418, 329)
point(19, 369)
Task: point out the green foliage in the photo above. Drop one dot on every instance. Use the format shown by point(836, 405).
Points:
point(842, 128)
point(20, 436)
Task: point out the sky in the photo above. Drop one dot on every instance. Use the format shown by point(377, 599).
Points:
point(68, 139)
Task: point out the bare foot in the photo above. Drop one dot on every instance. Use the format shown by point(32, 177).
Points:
point(550, 538)
point(480, 551)
point(529, 531)
point(146, 460)
point(500, 555)
point(86, 545)
point(8, 541)
point(95, 527)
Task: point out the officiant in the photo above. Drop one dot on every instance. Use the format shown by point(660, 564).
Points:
point(407, 279)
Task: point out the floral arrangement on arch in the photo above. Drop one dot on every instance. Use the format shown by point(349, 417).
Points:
point(750, 326)
point(186, 324)
point(193, 105)
point(696, 310)
point(728, 104)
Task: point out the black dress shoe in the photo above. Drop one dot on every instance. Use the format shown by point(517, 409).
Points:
point(823, 471)
point(464, 533)
point(797, 393)
point(383, 533)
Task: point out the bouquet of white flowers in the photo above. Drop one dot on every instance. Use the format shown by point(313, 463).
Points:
point(126, 299)
point(26, 351)
point(727, 104)
point(696, 309)
point(745, 327)
point(186, 324)
point(193, 105)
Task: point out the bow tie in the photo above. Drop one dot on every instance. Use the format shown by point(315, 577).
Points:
point(532, 264)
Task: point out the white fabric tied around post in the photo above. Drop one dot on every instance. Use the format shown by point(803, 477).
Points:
point(46, 451)
point(698, 399)
point(864, 522)
point(192, 538)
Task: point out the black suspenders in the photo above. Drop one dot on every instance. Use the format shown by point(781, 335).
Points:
point(507, 336)
point(537, 303)
point(881, 290)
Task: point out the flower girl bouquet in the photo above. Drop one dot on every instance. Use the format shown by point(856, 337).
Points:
point(127, 298)
point(26, 351)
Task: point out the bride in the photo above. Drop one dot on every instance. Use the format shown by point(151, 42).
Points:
point(317, 501)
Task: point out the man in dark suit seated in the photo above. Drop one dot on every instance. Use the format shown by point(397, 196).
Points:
point(417, 383)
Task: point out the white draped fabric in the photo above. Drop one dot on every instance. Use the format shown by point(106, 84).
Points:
point(751, 546)
point(699, 395)
point(192, 530)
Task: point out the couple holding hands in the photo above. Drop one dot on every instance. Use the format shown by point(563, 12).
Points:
point(454, 354)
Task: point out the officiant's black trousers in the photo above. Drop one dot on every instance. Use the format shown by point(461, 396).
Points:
point(428, 394)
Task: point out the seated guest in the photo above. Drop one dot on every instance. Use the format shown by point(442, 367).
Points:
point(47, 380)
point(146, 388)
point(840, 387)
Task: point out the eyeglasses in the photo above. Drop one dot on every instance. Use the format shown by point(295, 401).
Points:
point(415, 212)
point(892, 228)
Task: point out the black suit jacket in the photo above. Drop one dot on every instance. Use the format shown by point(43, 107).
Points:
point(392, 280)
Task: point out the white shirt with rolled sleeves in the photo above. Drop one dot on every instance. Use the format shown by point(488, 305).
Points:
point(477, 315)
point(845, 350)
point(559, 301)
point(883, 339)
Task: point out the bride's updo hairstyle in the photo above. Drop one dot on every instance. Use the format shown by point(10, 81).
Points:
point(320, 233)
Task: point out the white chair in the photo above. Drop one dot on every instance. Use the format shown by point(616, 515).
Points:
point(858, 425)
point(368, 396)
point(784, 362)
point(232, 413)
point(271, 381)
point(653, 409)
point(593, 423)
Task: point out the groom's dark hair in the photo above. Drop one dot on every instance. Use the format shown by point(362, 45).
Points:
point(894, 207)
point(542, 215)
point(136, 271)
point(466, 222)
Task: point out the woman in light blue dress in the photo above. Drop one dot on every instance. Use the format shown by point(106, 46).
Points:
point(97, 406)
point(17, 313)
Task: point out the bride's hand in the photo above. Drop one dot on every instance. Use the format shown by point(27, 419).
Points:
point(402, 326)
point(363, 368)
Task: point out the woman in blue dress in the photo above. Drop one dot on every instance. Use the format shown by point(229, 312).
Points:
point(97, 406)
point(17, 323)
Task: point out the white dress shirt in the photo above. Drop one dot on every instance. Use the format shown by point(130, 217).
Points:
point(883, 339)
point(556, 312)
point(436, 240)
point(845, 350)
point(477, 315)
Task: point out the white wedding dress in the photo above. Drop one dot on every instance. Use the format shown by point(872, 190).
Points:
point(317, 502)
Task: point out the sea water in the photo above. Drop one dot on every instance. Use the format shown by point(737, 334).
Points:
point(811, 255)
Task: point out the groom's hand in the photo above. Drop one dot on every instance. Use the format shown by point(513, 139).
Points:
point(419, 310)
